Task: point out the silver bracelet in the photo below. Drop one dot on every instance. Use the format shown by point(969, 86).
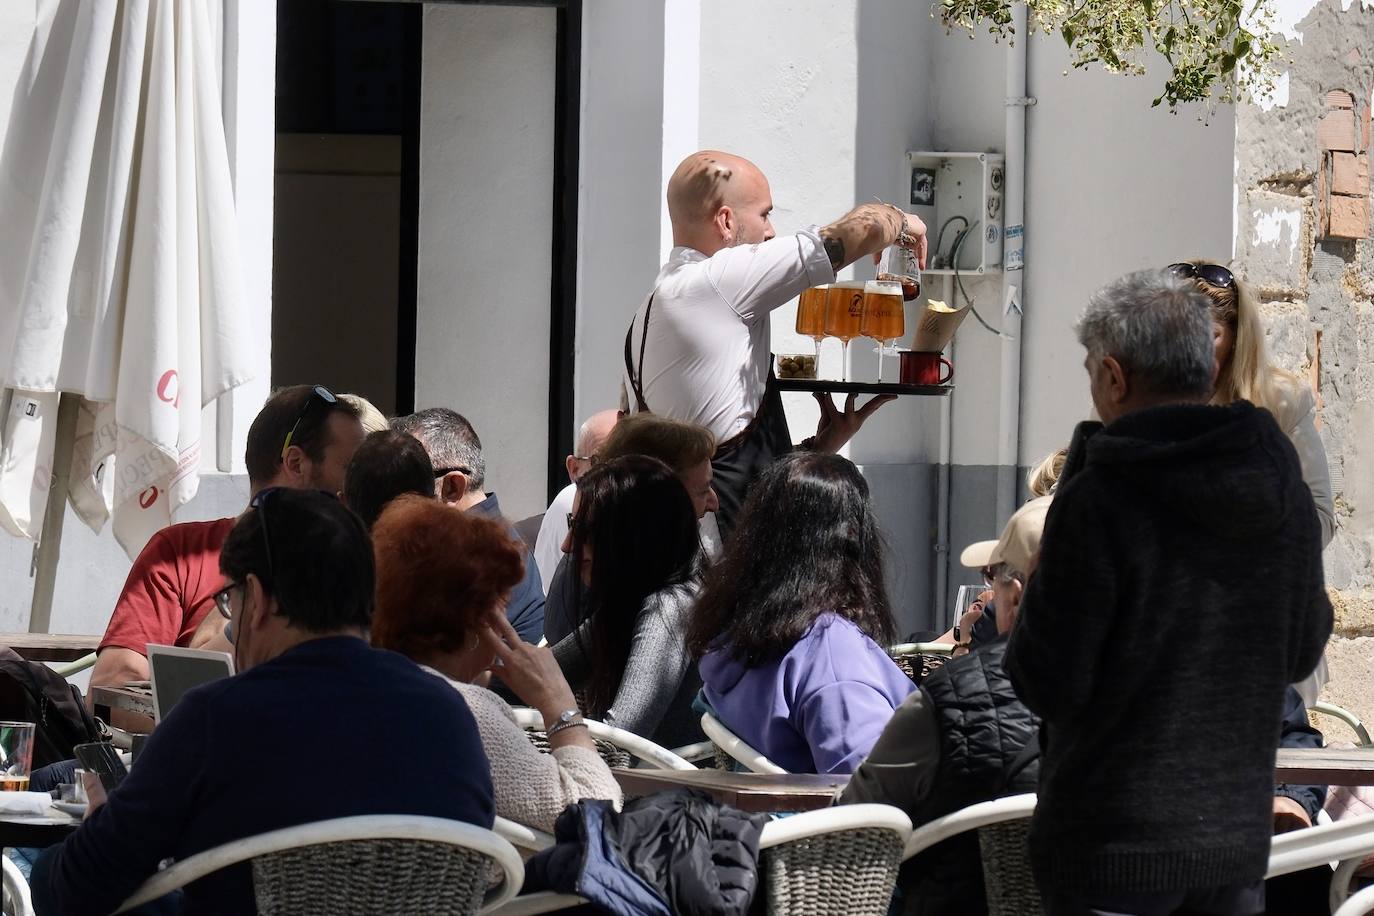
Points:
point(565, 720)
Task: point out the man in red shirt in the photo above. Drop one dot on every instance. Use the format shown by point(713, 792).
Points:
point(302, 438)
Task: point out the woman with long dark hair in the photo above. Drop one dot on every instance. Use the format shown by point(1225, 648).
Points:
point(791, 623)
point(633, 541)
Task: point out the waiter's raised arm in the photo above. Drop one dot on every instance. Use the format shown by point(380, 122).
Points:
point(868, 229)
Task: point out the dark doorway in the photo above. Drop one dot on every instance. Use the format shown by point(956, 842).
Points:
point(344, 253)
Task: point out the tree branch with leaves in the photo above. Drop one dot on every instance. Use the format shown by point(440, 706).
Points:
point(1217, 50)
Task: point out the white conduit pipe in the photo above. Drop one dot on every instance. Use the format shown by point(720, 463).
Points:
point(1013, 274)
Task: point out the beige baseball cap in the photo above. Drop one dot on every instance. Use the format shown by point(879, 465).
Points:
point(1019, 543)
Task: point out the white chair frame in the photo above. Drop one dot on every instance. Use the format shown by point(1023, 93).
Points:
point(736, 747)
point(1011, 808)
point(520, 836)
point(17, 901)
point(656, 756)
point(1346, 716)
point(67, 669)
point(1358, 905)
point(833, 820)
point(367, 827)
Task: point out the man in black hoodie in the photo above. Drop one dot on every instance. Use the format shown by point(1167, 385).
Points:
point(1180, 564)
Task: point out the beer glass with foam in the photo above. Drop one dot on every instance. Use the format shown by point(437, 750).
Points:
point(844, 306)
point(882, 317)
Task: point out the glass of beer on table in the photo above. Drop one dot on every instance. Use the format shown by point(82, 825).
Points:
point(16, 755)
point(811, 315)
point(882, 317)
point(844, 305)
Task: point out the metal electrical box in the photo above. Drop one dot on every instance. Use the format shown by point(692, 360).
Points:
point(953, 192)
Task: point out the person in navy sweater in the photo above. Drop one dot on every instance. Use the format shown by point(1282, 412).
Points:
point(374, 733)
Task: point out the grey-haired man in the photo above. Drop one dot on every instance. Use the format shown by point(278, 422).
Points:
point(1181, 561)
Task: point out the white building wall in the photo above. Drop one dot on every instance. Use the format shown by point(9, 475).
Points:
point(486, 188)
point(628, 95)
point(1113, 186)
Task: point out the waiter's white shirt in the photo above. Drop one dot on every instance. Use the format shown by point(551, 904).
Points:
point(706, 356)
point(548, 547)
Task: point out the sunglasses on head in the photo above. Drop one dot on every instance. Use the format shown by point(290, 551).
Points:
point(318, 395)
point(1211, 274)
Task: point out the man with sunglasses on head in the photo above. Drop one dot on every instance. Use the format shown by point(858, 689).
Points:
point(460, 473)
point(377, 735)
point(302, 438)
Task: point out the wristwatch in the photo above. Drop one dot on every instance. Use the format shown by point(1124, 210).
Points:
point(565, 720)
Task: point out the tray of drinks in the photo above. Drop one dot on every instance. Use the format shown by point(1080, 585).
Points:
point(837, 387)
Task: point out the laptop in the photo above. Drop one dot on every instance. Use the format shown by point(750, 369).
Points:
point(175, 670)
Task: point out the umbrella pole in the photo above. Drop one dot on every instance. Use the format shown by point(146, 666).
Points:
point(49, 546)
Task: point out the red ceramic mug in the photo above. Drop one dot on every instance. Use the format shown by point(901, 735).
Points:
point(923, 368)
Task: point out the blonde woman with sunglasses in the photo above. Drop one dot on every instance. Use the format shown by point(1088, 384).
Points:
point(1245, 372)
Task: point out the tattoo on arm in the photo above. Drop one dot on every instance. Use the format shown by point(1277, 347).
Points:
point(834, 249)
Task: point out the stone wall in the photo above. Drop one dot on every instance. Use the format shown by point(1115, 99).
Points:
point(1314, 274)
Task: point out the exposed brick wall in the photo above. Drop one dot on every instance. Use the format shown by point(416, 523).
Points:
point(1303, 239)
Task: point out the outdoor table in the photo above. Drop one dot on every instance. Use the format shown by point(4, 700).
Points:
point(36, 829)
point(755, 792)
point(1326, 766)
point(50, 647)
point(128, 698)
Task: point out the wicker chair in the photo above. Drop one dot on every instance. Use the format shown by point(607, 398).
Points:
point(839, 860)
point(616, 745)
point(735, 747)
point(1001, 826)
point(376, 865)
point(16, 890)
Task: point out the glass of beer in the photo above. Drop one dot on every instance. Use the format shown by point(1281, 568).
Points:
point(882, 318)
point(844, 306)
point(811, 315)
point(16, 755)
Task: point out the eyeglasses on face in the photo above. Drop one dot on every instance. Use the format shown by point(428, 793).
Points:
point(1212, 274)
point(259, 505)
point(444, 472)
point(318, 395)
point(224, 599)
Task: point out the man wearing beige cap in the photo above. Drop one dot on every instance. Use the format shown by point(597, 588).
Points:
point(963, 737)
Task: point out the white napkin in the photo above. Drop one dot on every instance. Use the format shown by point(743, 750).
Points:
point(25, 802)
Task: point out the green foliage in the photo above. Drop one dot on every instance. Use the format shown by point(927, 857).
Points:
point(1217, 50)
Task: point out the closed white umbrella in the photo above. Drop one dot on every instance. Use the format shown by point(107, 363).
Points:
point(121, 307)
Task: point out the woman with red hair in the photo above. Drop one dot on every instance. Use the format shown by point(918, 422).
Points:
point(442, 581)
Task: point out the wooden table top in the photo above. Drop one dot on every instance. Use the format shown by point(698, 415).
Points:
point(50, 647)
point(745, 791)
point(1329, 766)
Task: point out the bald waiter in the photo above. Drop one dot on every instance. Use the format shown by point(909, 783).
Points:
point(698, 349)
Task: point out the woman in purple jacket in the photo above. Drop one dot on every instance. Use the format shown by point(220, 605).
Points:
point(793, 618)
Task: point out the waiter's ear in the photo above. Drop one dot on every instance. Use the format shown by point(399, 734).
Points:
point(725, 224)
